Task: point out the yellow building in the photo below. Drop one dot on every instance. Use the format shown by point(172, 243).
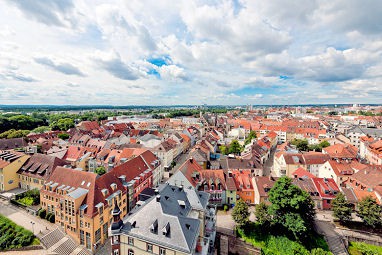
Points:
point(82, 201)
point(10, 163)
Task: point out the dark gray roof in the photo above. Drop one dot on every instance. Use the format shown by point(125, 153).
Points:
point(166, 222)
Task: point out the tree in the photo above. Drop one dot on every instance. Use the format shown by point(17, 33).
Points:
point(261, 213)
point(235, 147)
point(240, 213)
point(63, 136)
point(40, 130)
point(370, 212)
point(223, 149)
point(62, 124)
point(291, 207)
point(341, 208)
point(100, 170)
point(324, 144)
point(252, 135)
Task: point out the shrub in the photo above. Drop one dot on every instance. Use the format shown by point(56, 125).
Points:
point(12, 235)
point(41, 213)
point(50, 217)
point(225, 208)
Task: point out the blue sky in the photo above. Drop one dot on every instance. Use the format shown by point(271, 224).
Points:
point(166, 52)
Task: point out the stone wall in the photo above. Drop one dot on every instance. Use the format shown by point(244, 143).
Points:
point(231, 245)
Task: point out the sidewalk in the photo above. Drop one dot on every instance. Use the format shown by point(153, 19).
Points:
point(22, 218)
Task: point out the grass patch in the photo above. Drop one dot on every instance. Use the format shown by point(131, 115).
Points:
point(357, 248)
point(35, 241)
point(273, 244)
point(13, 235)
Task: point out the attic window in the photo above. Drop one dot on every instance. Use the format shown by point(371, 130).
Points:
point(182, 204)
point(166, 229)
point(88, 185)
point(154, 227)
point(83, 182)
point(104, 192)
point(188, 226)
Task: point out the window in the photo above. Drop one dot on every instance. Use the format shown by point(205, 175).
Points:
point(149, 247)
point(115, 239)
point(131, 252)
point(162, 251)
point(116, 252)
point(131, 241)
point(98, 235)
point(82, 238)
point(88, 243)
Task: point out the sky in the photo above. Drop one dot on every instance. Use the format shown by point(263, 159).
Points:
point(166, 52)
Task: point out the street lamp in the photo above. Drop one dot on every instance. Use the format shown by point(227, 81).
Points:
point(32, 226)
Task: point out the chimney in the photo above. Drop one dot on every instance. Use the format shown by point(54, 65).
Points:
point(191, 160)
point(158, 198)
point(156, 192)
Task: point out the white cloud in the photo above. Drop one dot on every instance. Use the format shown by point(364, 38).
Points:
point(216, 52)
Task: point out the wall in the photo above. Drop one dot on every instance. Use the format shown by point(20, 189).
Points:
point(228, 244)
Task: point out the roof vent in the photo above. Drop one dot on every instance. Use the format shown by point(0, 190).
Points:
point(188, 226)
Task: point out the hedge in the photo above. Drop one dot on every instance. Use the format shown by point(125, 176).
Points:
point(12, 235)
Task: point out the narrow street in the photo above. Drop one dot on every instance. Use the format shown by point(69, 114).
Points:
point(268, 166)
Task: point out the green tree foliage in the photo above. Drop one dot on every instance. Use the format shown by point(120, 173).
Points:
point(30, 197)
point(370, 212)
point(301, 144)
point(12, 235)
point(100, 170)
point(252, 135)
point(240, 213)
point(291, 207)
point(235, 147)
point(223, 149)
point(63, 136)
point(41, 213)
point(12, 133)
point(341, 208)
point(261, 213)
point(320, 251)
point(62, 124)
point(40, 130)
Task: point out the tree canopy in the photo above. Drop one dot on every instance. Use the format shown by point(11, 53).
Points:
point(370, 212)
point(100, 170)
point(240, 213)
point(235, 147)
point(291, 207)
point(251, 135)
point(341, 208)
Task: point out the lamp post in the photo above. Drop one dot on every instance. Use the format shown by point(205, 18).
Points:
point(33, 226)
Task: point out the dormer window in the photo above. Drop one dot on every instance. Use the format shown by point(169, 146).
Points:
point(166, 229)
point(113, 186)
point(154, 227)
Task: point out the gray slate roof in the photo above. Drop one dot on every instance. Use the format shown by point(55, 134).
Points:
point(171, 214)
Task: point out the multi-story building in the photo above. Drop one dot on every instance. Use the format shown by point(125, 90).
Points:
point(286, 163)
point(37, 169)
point(82, 202)
point(176, 220)
point(10, 163)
